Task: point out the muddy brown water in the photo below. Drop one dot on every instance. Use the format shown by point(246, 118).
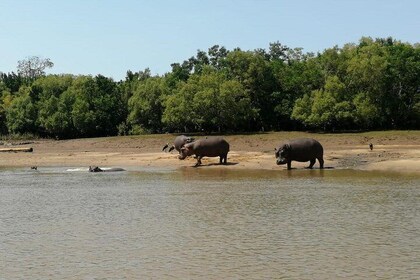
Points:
point(214, 223)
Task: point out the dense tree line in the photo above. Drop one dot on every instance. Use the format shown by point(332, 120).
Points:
point(374, 84)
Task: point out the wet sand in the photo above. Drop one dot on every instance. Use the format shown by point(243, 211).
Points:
point(392, 151)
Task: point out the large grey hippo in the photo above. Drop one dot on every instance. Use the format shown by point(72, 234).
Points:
point(209, 147)
point(179, 141)
point(302, 150)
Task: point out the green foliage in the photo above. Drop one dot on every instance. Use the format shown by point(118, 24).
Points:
point(96, 109)
point(366, 114)
point(326, 108)
point(21, 114)
point(372, 84)
point(209, 102)
point(146, 104)
point(11, 81)
point(178, 113)
point(55, 105)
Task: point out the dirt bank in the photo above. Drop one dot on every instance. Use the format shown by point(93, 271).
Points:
point(392, 150)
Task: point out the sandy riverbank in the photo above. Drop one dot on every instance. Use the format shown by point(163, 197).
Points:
point(393, 151)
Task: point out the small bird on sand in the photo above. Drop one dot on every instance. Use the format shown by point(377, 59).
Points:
point(165, 147)
point(371, 146)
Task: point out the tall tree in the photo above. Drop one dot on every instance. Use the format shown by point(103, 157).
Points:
point(33, 67)
point(145, 106)
point(54, 106)
point(21, 115)
point(209, 102)
point(96, 110)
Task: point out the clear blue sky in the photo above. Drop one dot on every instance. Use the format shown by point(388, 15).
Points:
point(111, 37)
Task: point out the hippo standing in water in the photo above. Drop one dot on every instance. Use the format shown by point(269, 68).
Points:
point(209, 147)
point(179, 141)
point(302, 150)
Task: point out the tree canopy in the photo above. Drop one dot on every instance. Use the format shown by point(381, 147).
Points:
point(372, 84)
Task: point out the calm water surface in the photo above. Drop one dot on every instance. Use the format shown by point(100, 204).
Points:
point(198, 223)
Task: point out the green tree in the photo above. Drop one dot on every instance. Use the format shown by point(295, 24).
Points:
point(366, 114)
point(146, 104)
point(221, 104)
point(97, 106)
point(326, 108)
point(401, 85)
point(11, 81)
point(21, 114)
point(52, 120)
point(178, 114)
point(255, 73)
point(209, 102)
point(55, 107)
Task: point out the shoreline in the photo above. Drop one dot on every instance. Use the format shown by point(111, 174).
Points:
point(395, 151)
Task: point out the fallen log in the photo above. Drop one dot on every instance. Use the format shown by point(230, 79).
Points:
point(27, 150)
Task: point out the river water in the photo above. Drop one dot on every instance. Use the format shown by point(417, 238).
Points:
point(198, 223)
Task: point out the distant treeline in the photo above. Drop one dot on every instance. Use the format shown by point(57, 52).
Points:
point(374, 84)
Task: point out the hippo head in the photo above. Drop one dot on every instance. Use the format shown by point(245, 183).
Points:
point(185, 151)
point(189, 140)
point(282, 154)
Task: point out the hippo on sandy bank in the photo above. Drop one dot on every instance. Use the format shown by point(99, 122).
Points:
point(208, 147)
point(302, 150)
point(179, 141)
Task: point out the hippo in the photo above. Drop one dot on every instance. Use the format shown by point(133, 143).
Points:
point(98, 169)
point(178, 143)
point(209, 147)
point(302, 150)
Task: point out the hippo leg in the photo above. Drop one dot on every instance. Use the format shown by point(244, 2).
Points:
point(198, 161)
point(289, 164)
point(311, 164)
point(321, 163)
point(223, 159)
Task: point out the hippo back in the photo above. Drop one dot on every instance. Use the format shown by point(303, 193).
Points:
point(304, 149)
point(181, 140)
point(210, 147)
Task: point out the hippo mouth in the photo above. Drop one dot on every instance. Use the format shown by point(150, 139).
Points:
point(181, 157)
point(281, 161)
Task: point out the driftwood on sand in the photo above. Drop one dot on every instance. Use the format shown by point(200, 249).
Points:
point(30, 150)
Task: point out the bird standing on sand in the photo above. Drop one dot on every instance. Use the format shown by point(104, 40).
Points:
point(371, 146)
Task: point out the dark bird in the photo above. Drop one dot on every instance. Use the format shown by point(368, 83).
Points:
point(34, 167)
point(165, 147)
point(371, 146)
